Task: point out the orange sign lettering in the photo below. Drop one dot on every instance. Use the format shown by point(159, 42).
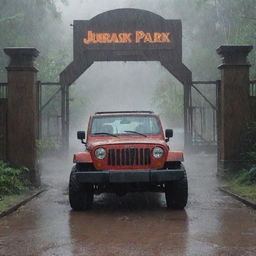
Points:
point(127, 38)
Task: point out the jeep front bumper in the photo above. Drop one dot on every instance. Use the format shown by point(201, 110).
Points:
point(130, 176)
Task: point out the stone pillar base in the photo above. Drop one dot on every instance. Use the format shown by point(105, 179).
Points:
point(22, 110)
point(233, 105)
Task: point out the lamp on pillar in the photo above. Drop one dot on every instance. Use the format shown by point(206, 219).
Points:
point(234, 109)
point(22, 110)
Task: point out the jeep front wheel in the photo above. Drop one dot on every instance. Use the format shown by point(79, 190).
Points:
point(80, 195)
point(176, 193)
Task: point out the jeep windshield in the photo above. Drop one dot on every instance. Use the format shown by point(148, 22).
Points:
point(139, 125)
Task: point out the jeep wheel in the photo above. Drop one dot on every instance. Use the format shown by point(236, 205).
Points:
point(176, 193)
point(80, 195)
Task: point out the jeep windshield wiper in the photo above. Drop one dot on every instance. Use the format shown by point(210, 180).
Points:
point(137, 133)
point(104, 133)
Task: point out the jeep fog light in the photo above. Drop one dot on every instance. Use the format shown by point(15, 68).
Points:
point(158, 152)
point(100, 153)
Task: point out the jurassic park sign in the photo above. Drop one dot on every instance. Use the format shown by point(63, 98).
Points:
point(127, 38)
point(126, 35)
point(127, 32)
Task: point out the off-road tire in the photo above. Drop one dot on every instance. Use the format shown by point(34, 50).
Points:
point(80, 195)
point(176, 193)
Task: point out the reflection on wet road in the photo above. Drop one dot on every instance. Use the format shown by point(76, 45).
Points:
point(136, 224)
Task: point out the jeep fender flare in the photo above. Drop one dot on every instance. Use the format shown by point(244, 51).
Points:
point(175, 156)
point(82, 157)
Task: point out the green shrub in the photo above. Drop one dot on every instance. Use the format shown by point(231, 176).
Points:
point(13, 181)
point(247, 177)
point(249, 144)
point(252, 175)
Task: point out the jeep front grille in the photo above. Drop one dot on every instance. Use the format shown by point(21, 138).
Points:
point(129, 157)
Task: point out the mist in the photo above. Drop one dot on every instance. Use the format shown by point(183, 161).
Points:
point(114, 86)
point(129, 191)
point(87, 9)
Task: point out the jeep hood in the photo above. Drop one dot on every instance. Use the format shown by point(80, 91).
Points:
point(95, 142)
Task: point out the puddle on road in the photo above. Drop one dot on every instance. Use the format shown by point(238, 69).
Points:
point(136, 224)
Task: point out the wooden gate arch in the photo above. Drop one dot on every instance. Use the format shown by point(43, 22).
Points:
point(127, 35)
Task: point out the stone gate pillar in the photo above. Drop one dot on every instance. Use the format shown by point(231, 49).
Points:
point(22, 110)
point(234, 109)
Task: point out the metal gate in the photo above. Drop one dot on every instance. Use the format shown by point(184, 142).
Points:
point(53, 114)
point(50, 115)
point(252, 99)
point(202, 115)
point(3, 121)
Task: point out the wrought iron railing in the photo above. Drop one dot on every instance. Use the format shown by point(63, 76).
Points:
point(203, 113)
point(253, 88)
point(3, 121)
point(3, 90)
point(49, 112)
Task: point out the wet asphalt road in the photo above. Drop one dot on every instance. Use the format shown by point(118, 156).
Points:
point(134, 225)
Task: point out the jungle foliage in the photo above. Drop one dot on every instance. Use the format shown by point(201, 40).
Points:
point(33, 23)
point(207, 24)
point(13, 181)
point(36, 23)
point(243, 181)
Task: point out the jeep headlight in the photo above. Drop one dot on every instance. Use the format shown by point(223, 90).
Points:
point(158, 152)
point(100, 153)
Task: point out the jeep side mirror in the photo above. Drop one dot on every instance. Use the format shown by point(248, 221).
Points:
point(81, 136)
point(168, 134)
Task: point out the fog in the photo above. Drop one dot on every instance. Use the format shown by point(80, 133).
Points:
point(86, 9)
point(113, 86)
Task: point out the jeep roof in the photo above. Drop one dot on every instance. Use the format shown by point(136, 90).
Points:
point(123, 112)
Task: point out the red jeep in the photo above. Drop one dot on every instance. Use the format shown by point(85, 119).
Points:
point(127, 152)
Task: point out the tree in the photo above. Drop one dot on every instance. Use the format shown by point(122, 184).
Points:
point(207, 24)
point(35, 23)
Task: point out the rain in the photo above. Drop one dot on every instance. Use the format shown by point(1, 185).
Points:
point(127, 127)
